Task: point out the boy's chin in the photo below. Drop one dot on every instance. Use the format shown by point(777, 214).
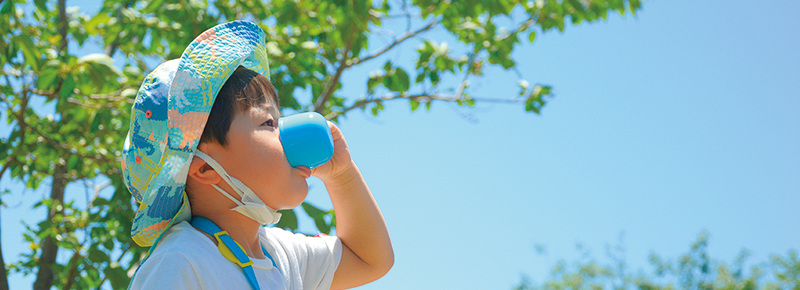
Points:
point(298, 198)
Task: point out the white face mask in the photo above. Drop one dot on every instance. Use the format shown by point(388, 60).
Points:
point(250, 206)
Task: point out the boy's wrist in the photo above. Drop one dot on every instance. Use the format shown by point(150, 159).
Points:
point(343, 177)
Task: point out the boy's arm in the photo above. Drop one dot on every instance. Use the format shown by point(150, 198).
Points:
point(366, 248)
point(367, 251)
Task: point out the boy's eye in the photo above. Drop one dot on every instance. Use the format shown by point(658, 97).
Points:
point(269, 122)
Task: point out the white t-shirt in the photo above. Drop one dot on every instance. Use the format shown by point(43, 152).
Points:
point(187, 259)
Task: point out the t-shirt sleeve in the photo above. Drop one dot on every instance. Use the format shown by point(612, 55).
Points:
point(165, 271)
point(324, 254)
point(316, 258)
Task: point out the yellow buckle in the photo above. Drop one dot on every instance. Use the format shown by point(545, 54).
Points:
point(227, 253)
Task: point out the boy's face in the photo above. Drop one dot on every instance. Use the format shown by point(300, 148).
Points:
point(255, 156)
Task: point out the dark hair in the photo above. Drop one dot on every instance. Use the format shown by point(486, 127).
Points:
point(243, 89)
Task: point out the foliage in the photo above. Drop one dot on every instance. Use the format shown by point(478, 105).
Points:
point(311, 44)
point(694, 270)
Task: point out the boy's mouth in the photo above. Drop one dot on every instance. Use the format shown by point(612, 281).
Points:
point(306, 171)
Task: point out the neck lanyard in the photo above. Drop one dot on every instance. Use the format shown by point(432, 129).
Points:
point(230, 249)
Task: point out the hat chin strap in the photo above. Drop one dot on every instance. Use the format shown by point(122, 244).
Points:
point(250, 206)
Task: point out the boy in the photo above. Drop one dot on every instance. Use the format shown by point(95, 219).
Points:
point(204, 158)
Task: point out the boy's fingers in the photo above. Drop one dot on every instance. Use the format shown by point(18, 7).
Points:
point(335, 132)
point(332, 126)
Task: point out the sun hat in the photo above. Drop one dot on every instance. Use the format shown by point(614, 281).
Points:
point(168, 116)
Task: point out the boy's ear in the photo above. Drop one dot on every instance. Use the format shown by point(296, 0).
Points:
point(203, 173)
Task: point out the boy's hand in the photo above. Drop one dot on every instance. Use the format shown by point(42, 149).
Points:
point(335, 169)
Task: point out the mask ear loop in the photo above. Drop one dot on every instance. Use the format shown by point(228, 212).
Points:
point(224, 176)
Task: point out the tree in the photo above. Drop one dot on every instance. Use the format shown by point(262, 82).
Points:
point(311, 44)
point(694, 270)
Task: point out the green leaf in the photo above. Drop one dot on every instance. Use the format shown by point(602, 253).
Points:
point(109, 244)
point(470, 102)
point(41, 5)
point(95, 21)
point(67, 87)
point(29, 51)
point(532, 36)
point(72, 163)
point(535, 100)
point(319, 217)
point(6, 90)
point(312, 210)
point(420, 78)
point(373, 82)
point(101, 63)
point(634, 5)
point(414, 104)
point(434, 76)
point(288, 220)
point(96, 255)
point(46, 78)
point(152, 6)
point(545, 91)
point(117, 276)
point(424, 56)
point(402, 80)
point(7, 6)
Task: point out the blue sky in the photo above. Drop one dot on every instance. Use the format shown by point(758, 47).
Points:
point(682, 119)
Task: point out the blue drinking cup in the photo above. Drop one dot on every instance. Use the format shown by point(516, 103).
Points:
point(306, 139)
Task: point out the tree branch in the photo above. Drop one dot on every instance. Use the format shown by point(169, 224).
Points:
point(97, 190)
point(8, 80)
point(6, 165)
point(402, 15)
point(419, 97)
point(395, 43)
point(118, 259)
point(72, 269)
point(319, 106)
point(463, 84)
point(466, 116)
point(525, 25)
point(114, 97)
point(328, 92)
point(112, 48)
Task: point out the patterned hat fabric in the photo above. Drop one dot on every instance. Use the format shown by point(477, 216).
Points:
point(169, 115)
